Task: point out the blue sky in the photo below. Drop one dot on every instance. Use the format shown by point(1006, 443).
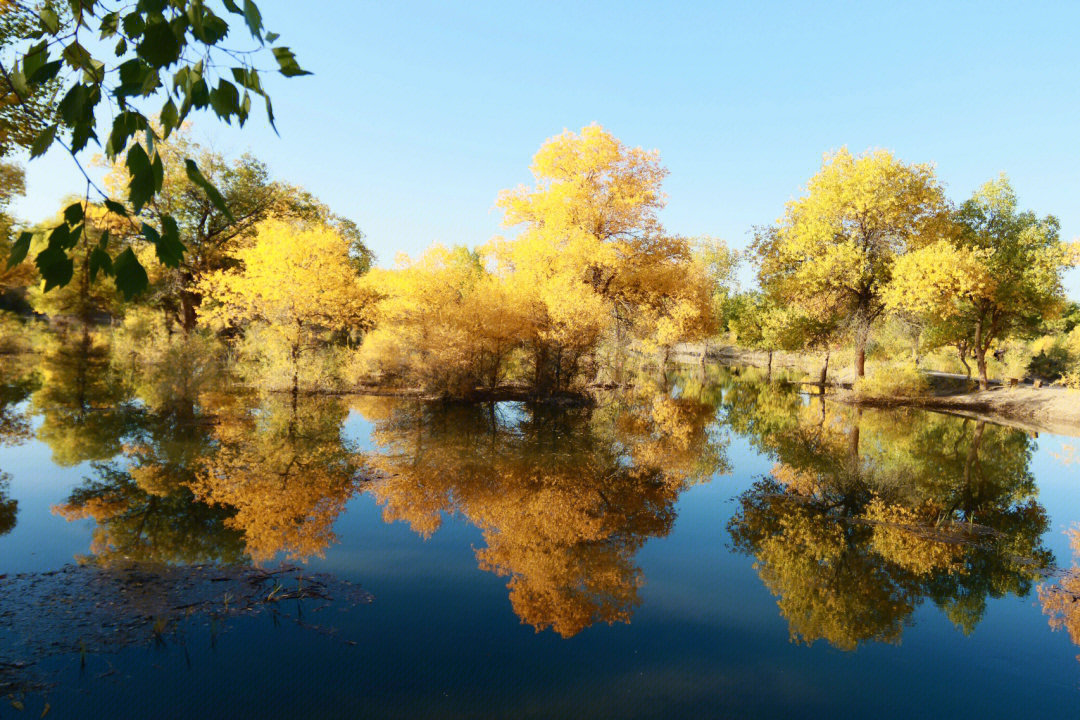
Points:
point(419, 113)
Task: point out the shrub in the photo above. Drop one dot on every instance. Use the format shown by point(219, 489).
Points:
point(1050, 358)
point(893, 380)
point(266, 363)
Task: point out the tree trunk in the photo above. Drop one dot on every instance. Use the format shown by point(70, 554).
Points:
point(853, 439)
point(980, 356)
point(964, 362)
point(861, 337)
point(295, 374)
point(824, 370)
point(770, 365)
point(188, 302)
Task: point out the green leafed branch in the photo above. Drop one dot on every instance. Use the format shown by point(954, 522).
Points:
point(167, 59)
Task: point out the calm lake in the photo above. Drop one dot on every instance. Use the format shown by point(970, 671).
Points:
point(709, 544)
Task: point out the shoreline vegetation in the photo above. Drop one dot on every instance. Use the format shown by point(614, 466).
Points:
point(873, 283)
point(1026, 406)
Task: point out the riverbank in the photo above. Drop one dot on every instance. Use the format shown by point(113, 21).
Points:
point(1047, 409)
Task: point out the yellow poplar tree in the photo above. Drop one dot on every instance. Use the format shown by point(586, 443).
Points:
point(444, 323)
point(998, 273)
point(592, 252)
point(832, 253)
point(297, 279)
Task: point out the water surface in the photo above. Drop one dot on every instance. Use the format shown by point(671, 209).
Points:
point(709, 544)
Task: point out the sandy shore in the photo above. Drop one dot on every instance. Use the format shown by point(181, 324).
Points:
point(1052, 410)
point(1047, 409)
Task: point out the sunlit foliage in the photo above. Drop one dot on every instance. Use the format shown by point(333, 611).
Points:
point(443, 323)
point(832, 253)
point(210, 236)
point(998, 274)
point(296, 280)
point(590, 269)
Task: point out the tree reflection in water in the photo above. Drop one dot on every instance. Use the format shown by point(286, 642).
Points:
point(868, 513)
point(197, 475)
point(286, 471)
point(565, 497)
point(865, 515)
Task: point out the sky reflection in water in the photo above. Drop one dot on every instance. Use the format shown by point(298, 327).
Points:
point(708, 543)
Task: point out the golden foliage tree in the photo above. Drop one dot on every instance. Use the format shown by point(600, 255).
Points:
point(443, 323)
point(591, 264)
point(592, 256)
point(998, 273)
point(831, 255)
point(297, 280)
point(211, 237)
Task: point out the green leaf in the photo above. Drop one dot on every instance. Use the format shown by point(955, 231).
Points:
point(249, 79)
point(270, 114)
point(62, 237)
point(125, 125)
point(254, 19)
point(200, 93)
point(73, 214)
point(170, 118)
point(18, 84)
point(49, 20)
point(19, 249)
point(170, 250)
point(287, 62)
point(158, 168)
point(78, 105)
point(141, 188)
point(110, 24)
point(272, 37)
point(43, 141)
point(129, 273)
point(79, 58)
point(134, 24)
point(99, 262)
point(35, 58)
point(225, 100)
point(196, 176)
point(46, 72)
point(116, 208)
point(55, 266)
point(159, 45)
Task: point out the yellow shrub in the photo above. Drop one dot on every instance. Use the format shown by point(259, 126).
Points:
point(894, 380)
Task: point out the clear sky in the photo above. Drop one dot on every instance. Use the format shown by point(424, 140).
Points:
point(419, 113)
